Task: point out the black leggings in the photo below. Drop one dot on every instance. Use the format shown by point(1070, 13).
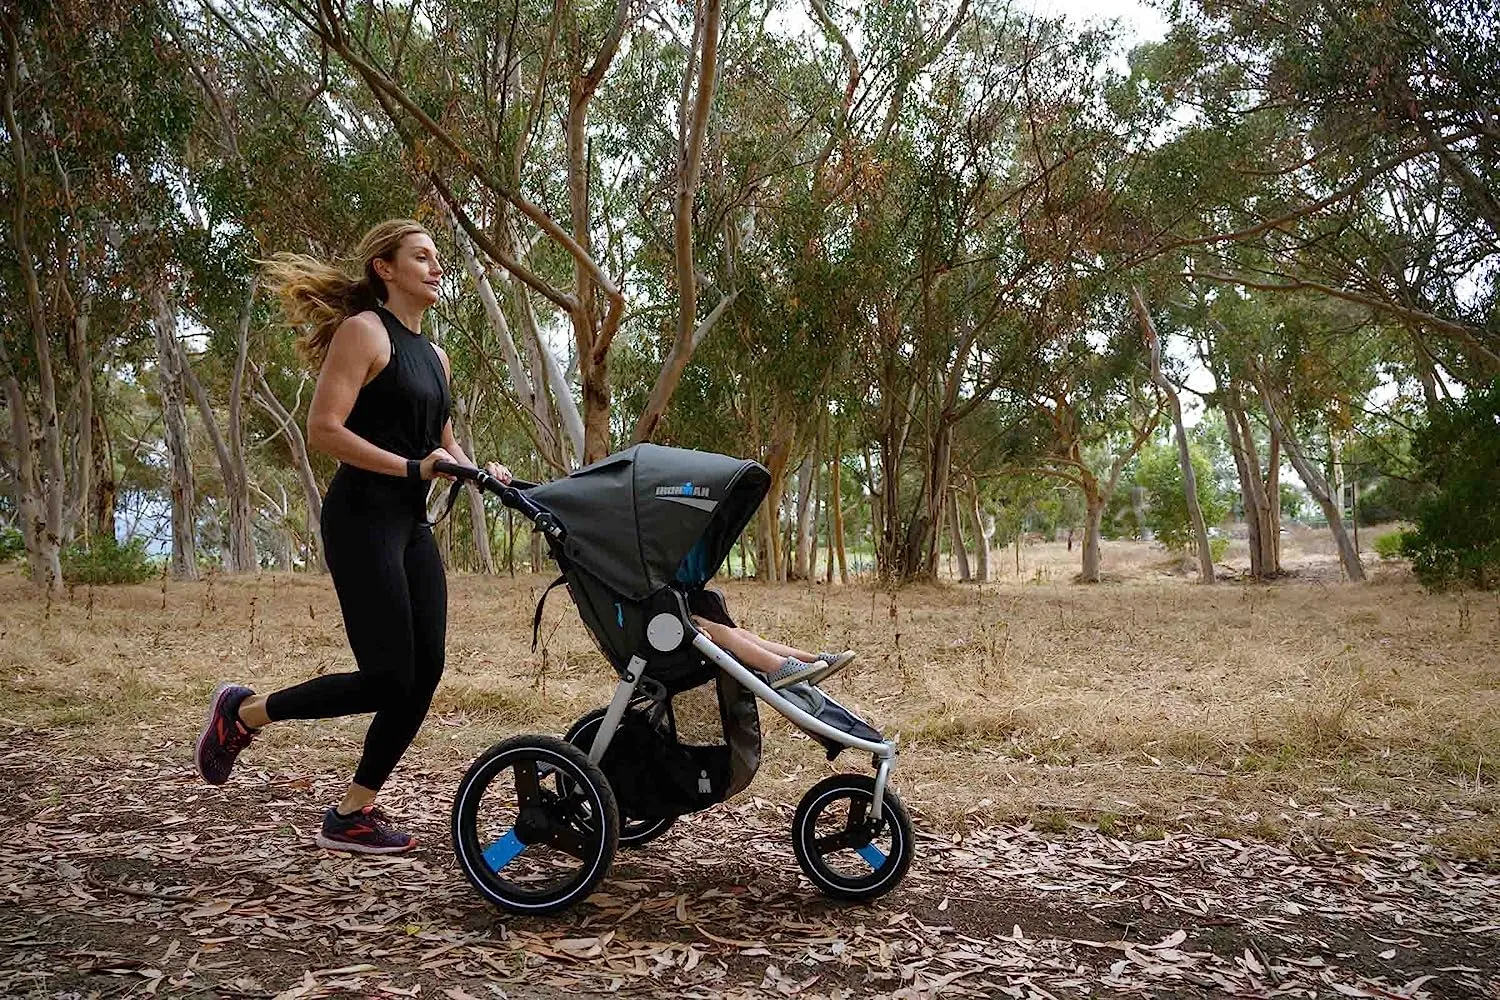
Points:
point(394, 597)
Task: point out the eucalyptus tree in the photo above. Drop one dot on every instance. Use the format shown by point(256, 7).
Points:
point(1359, 157)
point(88, 105)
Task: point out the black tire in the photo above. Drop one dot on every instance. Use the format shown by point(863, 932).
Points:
point(838, 853)
point(561, 805)
point(634, 833)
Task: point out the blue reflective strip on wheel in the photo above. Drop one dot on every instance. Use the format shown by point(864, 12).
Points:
point(503, 851)
point(873, 855)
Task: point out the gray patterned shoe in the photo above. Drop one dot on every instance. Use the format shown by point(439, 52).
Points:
point(794, 671)
point(829, 664)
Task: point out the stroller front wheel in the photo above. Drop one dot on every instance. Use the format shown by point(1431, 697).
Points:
point(534, 824)
point(845, 853)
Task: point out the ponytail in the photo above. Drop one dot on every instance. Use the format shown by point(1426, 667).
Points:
point(317, 296)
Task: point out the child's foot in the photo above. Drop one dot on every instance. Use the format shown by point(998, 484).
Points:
point(793, 671)
point(829, 664)
point(224, 735)
point(368, 831)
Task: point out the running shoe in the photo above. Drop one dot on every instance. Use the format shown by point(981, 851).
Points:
point(224, 735)
point(830, 664)
point(368, 831)
point(793, 671)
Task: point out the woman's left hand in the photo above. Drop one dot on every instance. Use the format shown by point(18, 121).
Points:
point(499, 471)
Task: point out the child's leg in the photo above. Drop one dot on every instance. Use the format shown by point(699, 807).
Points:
point(776, 647)
point(731, 640)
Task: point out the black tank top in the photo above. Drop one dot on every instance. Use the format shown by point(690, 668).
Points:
point(405, 406)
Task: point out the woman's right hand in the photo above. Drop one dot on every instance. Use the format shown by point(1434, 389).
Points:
point(438, 455)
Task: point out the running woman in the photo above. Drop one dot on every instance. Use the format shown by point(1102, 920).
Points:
point(381, 408)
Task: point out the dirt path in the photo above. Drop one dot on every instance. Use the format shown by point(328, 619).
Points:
point(124, 876)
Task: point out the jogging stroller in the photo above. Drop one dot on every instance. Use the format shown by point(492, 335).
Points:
point(537, 819)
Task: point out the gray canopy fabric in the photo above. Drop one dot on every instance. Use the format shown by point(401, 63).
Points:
point(649, 515)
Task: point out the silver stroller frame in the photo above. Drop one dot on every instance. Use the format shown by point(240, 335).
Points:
point(884, 752)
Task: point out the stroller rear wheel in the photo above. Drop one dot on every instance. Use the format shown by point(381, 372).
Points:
point(845, 853)
point(534, 824)
point(633, 832)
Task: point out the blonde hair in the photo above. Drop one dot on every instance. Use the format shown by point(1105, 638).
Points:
point(317, 296)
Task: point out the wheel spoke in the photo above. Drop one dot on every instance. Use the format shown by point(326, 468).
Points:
point(570, 840)
point(503, 851)
point(832, 842)
point(528, 783)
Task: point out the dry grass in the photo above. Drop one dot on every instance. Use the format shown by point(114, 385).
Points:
point(1302, 709)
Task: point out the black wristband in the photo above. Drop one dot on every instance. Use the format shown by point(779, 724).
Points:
point(413, 469)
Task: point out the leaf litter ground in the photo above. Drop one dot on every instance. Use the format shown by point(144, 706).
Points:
point(126, 876)
point(1146, 789)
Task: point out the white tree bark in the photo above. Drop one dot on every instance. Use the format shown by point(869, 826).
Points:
point(184, 560)
point(955, 529)
point(267, 401)
point(984, 531)
point(1184, 456)
point(1315, 483)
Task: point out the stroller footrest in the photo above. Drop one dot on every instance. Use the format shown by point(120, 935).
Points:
point(821, 706)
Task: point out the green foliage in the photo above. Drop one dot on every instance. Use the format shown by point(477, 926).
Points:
point(1293, 503)
point(1392, 499)
point(1217, 547)
point(106, 561)
point(12, 545)
point(1160, 473)
point(1457, 537)
point(1389, 545)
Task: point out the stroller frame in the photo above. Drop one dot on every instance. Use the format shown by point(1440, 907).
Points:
point(884, 752)
point(580, 814)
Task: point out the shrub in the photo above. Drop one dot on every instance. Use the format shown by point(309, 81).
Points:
point(1456, 541)
point(105, 561)
point(1167, 513)
point(1217, 547)
point(1388, 545)
point(12, 545)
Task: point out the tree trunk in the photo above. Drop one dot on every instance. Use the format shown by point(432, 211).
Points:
point(27, 494)
point(101, 505)
point(240, 551)
point(478, 525)
point(984, 530)
point(955, 529)
point(174, 419)
point(311, 495)
point(45, 491)
point(807, 475)
point(83, 368)
point(1317, 486)
point(1184, 456)
point(1271, 542)
point(1093, 520)
point(692, 127)
point(837, 510)
point(1260, 499)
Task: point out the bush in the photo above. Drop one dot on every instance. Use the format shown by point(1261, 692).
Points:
point(106, 561)
point(1456, 541)
point(12, 545)
point(1389, 545)
point(1160, 473)
point(1217, 547)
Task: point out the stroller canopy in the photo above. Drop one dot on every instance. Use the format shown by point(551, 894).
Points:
point(650, 516)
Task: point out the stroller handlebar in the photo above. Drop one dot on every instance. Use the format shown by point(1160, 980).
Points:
point(511, 494)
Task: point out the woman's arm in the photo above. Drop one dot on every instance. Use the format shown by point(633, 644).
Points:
point(360, 348)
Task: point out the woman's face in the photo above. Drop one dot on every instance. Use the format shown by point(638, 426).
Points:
point(414, 269)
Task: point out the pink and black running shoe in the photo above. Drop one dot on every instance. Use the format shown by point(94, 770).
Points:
point(224, 735)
